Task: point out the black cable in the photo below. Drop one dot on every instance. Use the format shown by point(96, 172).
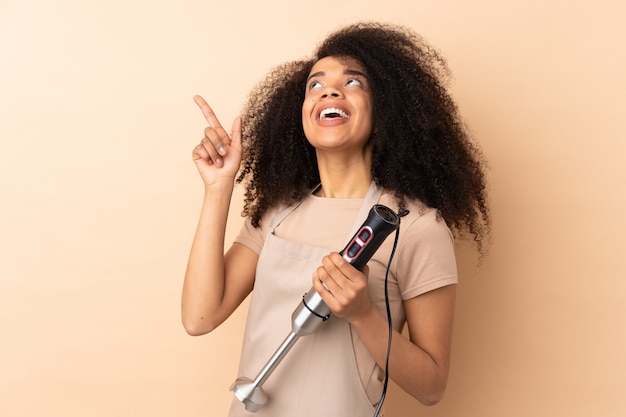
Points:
point(389, 320)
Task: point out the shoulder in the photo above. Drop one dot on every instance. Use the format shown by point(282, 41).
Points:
point(254, 237)
point(425, 256)
point(421, 221)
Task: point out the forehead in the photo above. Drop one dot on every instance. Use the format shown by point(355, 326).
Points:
point(330, 63)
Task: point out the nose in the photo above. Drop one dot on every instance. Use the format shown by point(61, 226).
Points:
point(331, 92)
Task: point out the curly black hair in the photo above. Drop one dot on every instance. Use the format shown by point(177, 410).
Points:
point(421, 147)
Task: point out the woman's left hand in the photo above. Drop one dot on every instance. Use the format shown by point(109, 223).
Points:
point(343, 287)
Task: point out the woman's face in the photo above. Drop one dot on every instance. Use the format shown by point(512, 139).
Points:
point(337, 108)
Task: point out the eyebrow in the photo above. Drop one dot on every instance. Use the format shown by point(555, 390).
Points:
point(345, 72)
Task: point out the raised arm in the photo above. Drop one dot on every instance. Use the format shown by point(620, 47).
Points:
point(213, 286)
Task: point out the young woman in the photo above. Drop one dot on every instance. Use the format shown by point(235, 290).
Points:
point(366, 120)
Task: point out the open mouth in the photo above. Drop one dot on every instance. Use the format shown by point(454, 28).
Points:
point(333, 113)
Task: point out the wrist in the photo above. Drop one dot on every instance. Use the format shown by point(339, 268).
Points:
point(367, 318)
point(218, 188)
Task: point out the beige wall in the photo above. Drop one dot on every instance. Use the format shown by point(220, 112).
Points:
point(99, 198)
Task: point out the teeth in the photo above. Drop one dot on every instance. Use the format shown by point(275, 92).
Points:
point(334, 110)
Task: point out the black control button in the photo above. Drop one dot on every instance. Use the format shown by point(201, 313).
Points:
point(365, 234)
point(354, 249)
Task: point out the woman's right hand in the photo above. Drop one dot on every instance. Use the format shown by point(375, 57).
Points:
point(218, 156)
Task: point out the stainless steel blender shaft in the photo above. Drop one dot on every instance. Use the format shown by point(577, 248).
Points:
point(305, 320)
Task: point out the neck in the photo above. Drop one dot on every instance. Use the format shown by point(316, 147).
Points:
point(344, 180)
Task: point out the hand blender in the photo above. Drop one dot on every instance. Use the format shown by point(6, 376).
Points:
point(312, 311)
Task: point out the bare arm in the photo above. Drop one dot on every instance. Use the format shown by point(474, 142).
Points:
point(419, 365)
point(213, 287)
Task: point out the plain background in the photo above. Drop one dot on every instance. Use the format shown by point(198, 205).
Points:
point(99, 198)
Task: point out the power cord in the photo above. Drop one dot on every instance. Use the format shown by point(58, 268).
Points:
point(389, 320)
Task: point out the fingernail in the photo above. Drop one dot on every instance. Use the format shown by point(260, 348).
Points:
point(221, 150)
point(219, 162)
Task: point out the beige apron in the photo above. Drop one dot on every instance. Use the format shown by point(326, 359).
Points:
point(319, 376)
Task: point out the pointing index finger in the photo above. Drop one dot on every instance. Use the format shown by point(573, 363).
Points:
point(207, 111)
